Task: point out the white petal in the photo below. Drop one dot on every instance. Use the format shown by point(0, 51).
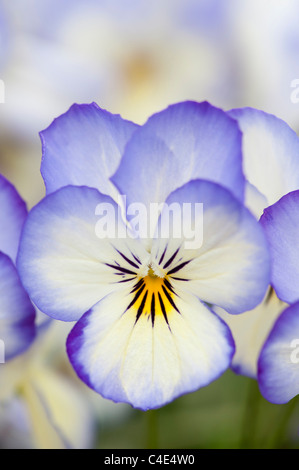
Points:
point(131, 360)
point(63, 262)
point(231, 268)
point(250, 331)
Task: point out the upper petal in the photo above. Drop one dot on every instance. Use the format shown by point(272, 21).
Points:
point(84, 147)
point(270, 153)
point(64, 265)
point(281, 225)
point(17, 315)
point(185, 141)
point(13, 213)
point(278, 365)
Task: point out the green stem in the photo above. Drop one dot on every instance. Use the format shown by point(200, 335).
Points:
point(152, 429)
point(250, 415)
point(279, 437)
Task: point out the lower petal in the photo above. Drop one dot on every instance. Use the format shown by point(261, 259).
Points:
point(128, 358)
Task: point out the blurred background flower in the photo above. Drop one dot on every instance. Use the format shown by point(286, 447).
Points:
point(135, 57)
point(132, 57)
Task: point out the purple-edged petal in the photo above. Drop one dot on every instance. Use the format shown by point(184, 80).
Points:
point(281, 225)
point(279, 360)
point(64, 264)
point(13, 213)
point(231, 267)
point(17, 315)
point(186, 141)
point(83, 147)
point(270, 152)
point(131, 360)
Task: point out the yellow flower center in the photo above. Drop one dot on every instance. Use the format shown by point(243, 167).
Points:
point(153, 296)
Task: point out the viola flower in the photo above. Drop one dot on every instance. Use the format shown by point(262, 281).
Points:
point(48, 399)
point(17, 327)
point(144, 333)
point(280, 223)
point(271, 168)
point(278, 362)
point(270, 157)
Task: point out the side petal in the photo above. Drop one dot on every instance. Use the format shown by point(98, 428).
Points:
point(281, 225)
point(63, 263)
point(231, 265)
point(270, 153)
point(84, 147)
point(278, 367)
point(17, 315)
point(13, 213)
point(128, 359)
point(186, 141)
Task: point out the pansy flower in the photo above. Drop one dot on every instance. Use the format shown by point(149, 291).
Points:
point(45, 397)
point(271, 168)
point(17, 317)
point(144, 333)
point(278, 367)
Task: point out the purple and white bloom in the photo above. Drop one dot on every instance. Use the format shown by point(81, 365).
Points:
point(271, 168)
point(17, 317)
point(144, 333)
point(268, 350)
point(278, 362)
point(278, 366)
point(56, 413)
point(281, 223)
